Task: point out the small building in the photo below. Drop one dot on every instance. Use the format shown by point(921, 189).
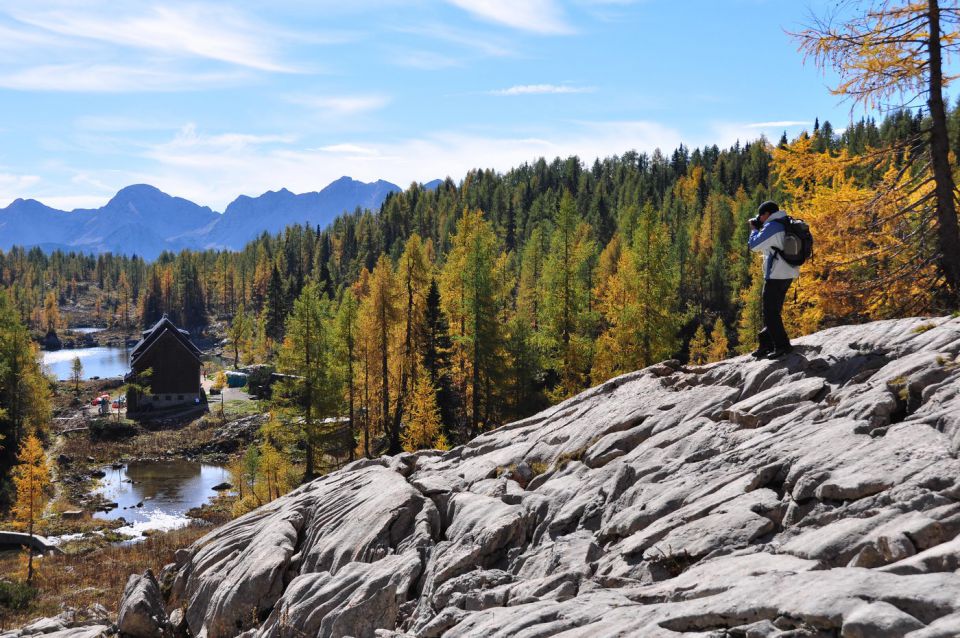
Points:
point(173, 362)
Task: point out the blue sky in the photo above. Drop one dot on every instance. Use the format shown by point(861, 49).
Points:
point(210, 100)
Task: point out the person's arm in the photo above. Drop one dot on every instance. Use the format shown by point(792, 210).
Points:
point(764, 238)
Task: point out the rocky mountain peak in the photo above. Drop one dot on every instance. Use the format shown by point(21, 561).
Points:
point(818, 495)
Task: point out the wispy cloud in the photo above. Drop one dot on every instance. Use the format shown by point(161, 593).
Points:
point(194, 31)
point(12, 38)
point(122, 124)
point(111, 78)
point(188, 137)
point(537, 16)
point(542, 89)
point(10, 180)
point(349, 149)
point(426, 60)
point(341, 105)
point(13, 186)
point(779, 124)
point(483, 43)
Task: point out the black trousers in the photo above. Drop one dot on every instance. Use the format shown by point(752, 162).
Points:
point(774, 335)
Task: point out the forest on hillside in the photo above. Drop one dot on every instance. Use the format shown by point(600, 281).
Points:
point(454, 310)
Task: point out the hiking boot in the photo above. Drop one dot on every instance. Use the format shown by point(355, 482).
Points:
point(780, 352)
point(761, 353)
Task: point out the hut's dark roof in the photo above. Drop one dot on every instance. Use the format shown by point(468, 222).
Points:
point(150, 337)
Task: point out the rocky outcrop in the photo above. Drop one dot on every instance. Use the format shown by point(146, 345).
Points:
point(141, 610)
point(818, 495)
point(92, 622)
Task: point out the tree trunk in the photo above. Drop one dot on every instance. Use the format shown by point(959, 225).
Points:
point(308, 417)
point(949, 238)
point(350, 424)
point(30, 549)
point(384, 370)
point(366, 403)
point(405, 363)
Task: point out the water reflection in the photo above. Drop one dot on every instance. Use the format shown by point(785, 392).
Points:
point(164, 491)
point(102, 361)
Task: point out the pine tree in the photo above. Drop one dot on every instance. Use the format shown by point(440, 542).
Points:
point(378, 316)
point(151, 305)
point(567, 298)
point(656, 285)
point(422, 416)
point(751, 318)
point(263, 345)
point(24, 391)
point(124, 290)
point(275, 305)
point(896, 49)
point(698, 347)
point(413, 276)
point(31, 477)
point(346, 355)
point(311, 391)
point(76, 374)
point(51, 313)
point(436, 354)
point(469, 295)
point(719, 348)
point(238, 333)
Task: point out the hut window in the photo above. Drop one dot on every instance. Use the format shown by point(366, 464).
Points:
point(179, 397)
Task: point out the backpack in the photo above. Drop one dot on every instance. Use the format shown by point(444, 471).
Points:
point(797, 241)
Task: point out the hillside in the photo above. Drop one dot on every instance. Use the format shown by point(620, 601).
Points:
point(815, 496)
point(143, 220)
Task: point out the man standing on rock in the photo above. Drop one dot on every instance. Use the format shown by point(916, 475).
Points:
point(767, 237)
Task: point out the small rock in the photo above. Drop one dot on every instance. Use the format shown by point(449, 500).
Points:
point(221, 487)
point(97, 474)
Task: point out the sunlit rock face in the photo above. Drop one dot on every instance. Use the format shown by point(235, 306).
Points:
point(818, 495)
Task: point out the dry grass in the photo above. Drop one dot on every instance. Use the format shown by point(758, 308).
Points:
point(81, 579)
point(145, 444)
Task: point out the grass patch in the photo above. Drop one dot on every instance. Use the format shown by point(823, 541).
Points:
point(236, 408)
point(217, 512)
point(947, 364)
point(145, 444)
point(538, 468)
point(923, 327)
point(110, 430)
point(899, 387)
point(81, 578)
point(567, 457)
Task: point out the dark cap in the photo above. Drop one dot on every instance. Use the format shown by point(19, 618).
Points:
point(767, 207)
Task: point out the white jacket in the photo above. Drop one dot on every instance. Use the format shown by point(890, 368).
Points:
point(768, 240)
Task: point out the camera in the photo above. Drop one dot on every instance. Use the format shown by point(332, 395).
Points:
point(756, 223)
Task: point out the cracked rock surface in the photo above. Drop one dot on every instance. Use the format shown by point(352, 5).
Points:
point(818, 495)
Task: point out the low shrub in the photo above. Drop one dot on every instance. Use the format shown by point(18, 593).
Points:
point(107, 430)
point(16, 595)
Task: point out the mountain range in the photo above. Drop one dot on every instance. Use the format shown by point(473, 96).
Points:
point(143, 220)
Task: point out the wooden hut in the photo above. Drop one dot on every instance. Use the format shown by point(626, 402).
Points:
point(166, 364)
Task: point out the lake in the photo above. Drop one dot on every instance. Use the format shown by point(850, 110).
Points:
point(86, 331)
point(101, 361)
point(167, 489)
